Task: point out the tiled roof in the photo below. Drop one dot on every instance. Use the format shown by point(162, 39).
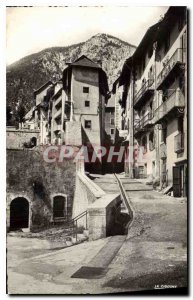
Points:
point(85, 62)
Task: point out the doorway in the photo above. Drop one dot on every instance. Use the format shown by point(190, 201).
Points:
point(19, 213)
point(59, 207)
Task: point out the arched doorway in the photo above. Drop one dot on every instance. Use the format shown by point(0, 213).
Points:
point(59, 207)
point(19, 213)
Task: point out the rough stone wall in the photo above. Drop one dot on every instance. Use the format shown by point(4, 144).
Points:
point(29, 175)
point(15, 138)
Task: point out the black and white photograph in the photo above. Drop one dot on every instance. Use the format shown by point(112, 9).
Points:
point(96, 150)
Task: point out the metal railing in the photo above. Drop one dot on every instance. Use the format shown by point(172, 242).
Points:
point(179, 142)
point(74, 222)
point(146, 86)
point(177, 57)
point(146, 120)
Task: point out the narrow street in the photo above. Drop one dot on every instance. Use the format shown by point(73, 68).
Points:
point(152, 255)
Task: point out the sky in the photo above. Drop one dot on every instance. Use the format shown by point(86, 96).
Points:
point(32, 29)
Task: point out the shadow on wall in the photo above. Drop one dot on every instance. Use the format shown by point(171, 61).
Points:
point(91, 167)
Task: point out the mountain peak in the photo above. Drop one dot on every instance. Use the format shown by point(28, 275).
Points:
point(34, 70)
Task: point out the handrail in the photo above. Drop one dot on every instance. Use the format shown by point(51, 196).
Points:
point(80, 215)
point(143, 121)
point(75, 223)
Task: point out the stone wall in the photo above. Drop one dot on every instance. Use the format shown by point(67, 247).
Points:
point(29, 176)
point(15, 138)
point(101, 216)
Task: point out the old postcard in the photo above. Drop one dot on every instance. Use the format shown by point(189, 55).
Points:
point(96, 143)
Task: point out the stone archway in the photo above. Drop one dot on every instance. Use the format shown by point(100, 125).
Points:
point(19, 213)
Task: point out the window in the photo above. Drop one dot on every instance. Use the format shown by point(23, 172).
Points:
point(181, 124)
point(85, 89)
point(151, 141)
point(164, 135)
point(144, 144)
point(87, 124)
point(112, 130)
point(59, 207)
point(112, 122)
point(87, 103)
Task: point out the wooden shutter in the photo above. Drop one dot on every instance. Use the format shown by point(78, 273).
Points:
point(176, 182)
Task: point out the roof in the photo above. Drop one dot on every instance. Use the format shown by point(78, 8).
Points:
point(84, 61)
point(153, 34)
point(41, 88)
point(147, 40)
point(126, 71)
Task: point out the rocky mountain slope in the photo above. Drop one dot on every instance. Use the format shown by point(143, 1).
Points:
point(29, 73)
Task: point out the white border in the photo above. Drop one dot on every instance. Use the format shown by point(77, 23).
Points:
point(5, 3)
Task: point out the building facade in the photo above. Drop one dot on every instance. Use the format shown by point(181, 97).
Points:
point(155, 81)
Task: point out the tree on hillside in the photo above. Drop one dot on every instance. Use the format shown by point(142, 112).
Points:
point(20, 113)
point(9, 116)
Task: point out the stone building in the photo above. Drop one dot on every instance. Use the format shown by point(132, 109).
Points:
point(38, 192)
point(86, 87)
point(155, 81)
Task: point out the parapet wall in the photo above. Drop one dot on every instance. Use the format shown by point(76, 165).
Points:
point(86, 192)
point(101, 207)
point(15, 138)
point(101, 216)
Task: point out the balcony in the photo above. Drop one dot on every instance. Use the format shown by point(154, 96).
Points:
point(179, 143)
point(143, 124)
point(144, 93)
point(174, 101)
point(171, 67)
point(163, 151)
